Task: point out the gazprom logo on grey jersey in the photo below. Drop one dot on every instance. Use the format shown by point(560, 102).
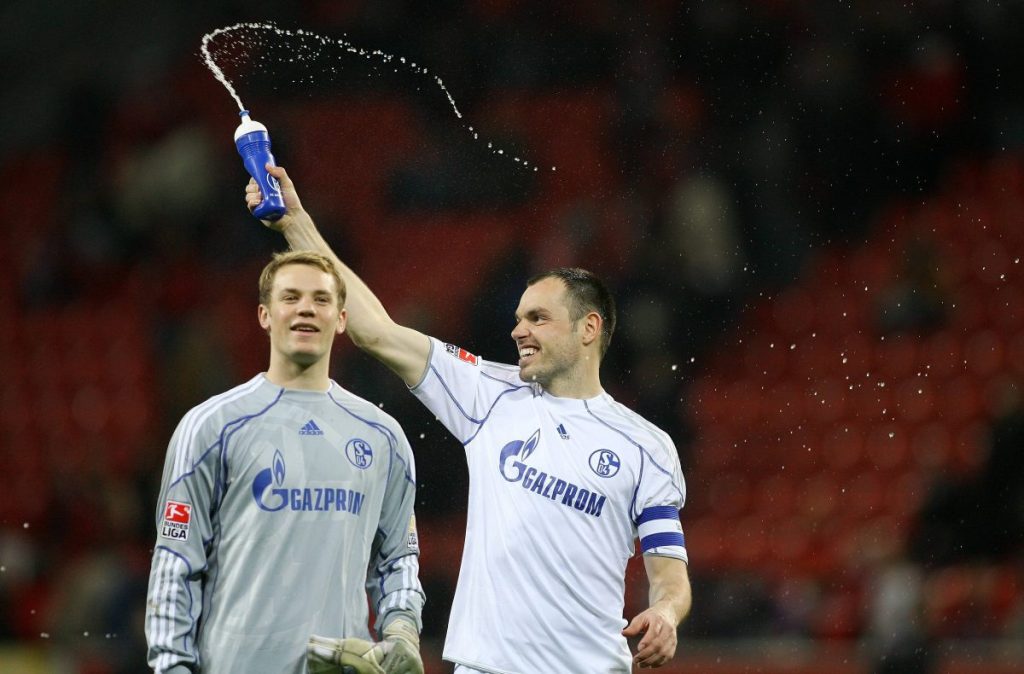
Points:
point(512, 466)
point(270, 494)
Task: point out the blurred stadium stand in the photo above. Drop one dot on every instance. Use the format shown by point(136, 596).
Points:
point(811, 216)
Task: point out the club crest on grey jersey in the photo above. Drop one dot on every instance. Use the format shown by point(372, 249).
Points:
point(359, 453)
point(513, 467)
point(271, 494)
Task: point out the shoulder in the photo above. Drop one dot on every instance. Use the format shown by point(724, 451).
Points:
point(238, 403)
point(638, 430)
point(501, 372)
point(206, 425)
point(451, 358)
point(362, 410)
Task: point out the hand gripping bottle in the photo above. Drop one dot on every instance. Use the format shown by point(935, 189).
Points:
point(253, 143)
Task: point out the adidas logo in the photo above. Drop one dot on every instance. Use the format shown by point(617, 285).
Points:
point(562, 432)
point(310, 429)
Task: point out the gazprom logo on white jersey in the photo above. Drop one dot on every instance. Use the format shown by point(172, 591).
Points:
point(511, 464)
point(270, 494)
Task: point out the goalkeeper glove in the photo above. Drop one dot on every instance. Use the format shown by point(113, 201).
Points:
point(398, 653)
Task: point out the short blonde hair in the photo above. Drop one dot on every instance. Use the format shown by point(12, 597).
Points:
point(306, 257)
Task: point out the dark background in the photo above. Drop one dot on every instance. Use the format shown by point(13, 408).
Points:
point(810, 213)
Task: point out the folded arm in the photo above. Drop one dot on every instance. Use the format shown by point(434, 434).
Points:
point(402, 349)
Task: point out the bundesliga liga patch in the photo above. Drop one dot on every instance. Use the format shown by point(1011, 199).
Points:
point(413, 538)
point(461, 353)
point(177, 518)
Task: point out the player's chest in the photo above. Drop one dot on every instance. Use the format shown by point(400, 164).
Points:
point(567, 460)
point(307, 465)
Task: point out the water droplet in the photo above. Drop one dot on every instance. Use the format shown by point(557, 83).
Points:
point(892, 434)
point(44, 635)
point(253, 35)
point(675, 367)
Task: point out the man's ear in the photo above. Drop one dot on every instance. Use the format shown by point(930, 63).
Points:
point(342, 321)
point(263, 315)
point(591, 325)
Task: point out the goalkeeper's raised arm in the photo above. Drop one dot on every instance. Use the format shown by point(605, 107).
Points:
point(402, 349)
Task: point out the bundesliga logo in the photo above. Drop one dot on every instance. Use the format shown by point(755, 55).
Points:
point(177, 517)
point(461, 354)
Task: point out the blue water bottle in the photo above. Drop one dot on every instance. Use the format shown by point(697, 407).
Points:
point(253, 143)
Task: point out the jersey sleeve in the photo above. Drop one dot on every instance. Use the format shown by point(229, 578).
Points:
point(660, 495)
point(461, 389)
point(392, 579)
point(188, 493)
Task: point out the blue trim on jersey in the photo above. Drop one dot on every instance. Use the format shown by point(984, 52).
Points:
point(640, 475)
point(479, 422)
point(191, 601)
point(220, 439)
point(221, 481)
point(502, 381)
point(386, 573)
point(491, 409)
point(383, 430)
point(643, 452)
point(657, 513)
point(458, 406)
point(225, 440)
point(663, 539)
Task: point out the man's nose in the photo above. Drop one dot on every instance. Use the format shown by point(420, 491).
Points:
point(519, 331)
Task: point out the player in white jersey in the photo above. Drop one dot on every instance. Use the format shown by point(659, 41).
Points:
point(563, 479)
point(284, 502)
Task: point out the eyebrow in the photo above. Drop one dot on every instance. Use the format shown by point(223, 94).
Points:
point(530, 313)
point(296, 291)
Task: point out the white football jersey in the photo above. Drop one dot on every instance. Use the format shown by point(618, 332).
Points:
point(559, 491)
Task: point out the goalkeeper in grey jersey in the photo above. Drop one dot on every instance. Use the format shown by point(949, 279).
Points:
point(285, 501)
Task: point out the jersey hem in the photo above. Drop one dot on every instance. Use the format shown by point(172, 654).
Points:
point(477, 665)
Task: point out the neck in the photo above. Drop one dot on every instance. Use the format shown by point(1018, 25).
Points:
point(289, 374)
point(582, 383)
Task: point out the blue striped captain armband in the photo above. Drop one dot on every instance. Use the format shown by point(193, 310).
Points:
point(660, 532)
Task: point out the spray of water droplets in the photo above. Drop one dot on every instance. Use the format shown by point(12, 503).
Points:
point(242, 51)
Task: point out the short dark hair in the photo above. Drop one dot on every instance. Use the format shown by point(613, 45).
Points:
point(585, 293)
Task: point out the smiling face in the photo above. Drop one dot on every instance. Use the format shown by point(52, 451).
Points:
point(301, 315)
point(547, 338)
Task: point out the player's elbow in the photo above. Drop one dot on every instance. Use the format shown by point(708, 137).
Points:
point(364, 340)
point(370, 333)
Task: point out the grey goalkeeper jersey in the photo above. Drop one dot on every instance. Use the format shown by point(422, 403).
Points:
point(279, 511)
